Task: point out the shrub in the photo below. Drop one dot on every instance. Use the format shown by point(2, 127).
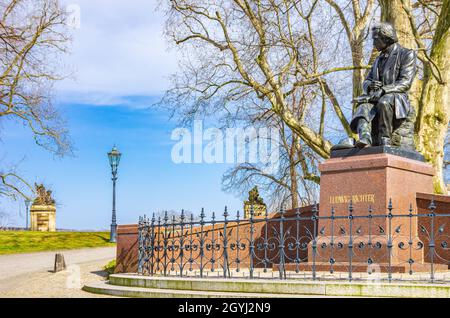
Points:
point(110, 267)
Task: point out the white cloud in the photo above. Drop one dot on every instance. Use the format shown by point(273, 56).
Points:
point(118, 50)
point(106, 99)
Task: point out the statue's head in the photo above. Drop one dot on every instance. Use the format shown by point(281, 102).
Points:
point(383, 35)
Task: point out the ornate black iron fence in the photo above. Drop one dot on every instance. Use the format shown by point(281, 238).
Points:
point(297, 244)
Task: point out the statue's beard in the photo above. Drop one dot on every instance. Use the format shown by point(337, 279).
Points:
point(384, 44)
point(380, 47)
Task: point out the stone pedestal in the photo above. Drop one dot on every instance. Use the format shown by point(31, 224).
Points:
point(43, 218)
point(369, 181)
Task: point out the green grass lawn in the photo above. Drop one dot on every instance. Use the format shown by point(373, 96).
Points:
point(24, 242)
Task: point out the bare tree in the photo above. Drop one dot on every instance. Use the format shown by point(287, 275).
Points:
point(32, 40)
point(243, 52)
point(293, 181)
point(253, 60)
point(287, 185)
point(260, 52)
point(11, 185)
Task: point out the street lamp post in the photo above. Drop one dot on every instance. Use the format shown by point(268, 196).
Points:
point(27, 206)
point(114, 159)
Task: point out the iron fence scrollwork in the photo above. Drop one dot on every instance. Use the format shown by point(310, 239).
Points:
point(291, 245)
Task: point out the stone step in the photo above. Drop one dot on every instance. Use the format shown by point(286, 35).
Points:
point(135, 285)
point(141, 292)
point(358, 267)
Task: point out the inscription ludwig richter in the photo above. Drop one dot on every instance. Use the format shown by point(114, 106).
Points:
point(356, 198)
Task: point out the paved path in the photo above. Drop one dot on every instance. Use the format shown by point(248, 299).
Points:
point(29, 275)
point(19, 264)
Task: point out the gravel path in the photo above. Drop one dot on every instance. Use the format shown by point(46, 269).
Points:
point(19, 264)
point(29, 275)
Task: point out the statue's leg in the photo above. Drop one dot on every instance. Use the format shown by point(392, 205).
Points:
point(361, 123)
point(385, 111)
point(364, 133)
point(375, 141)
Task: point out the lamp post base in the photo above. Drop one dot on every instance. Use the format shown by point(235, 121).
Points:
point(112, 237)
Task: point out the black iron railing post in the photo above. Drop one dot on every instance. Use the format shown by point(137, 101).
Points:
point(266, 240)
point(238, 243)
point(281, 246)
point(252, 243)
point(152, 246)
point(202, 240)
point(191, 242)
point(297, 240)
point(165, 242)
point(140, 245)
point(146, 246)
point(225, 244)
point(350, 241)
point(172, 259)
point(431, 245)
point(369, 243)
point(410, 242)
point(181, 254)
point(213, 241)
point(389, 243)
point(158, 246)
point(314, 242)
point(332, 261)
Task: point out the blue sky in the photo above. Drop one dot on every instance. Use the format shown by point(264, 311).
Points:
point(121, 66)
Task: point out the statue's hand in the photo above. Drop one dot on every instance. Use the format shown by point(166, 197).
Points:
point(375, 85)
point(376, 95)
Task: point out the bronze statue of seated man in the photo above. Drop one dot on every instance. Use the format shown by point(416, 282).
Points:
point(385, 106)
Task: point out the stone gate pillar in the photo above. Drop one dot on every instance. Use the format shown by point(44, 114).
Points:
point(43, 218)
point(43, 211)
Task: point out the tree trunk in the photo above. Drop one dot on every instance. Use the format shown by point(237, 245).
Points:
point(294, 186)
point(433, 114)
point(430, 97)
point(392, 12)
point(358, 61)
point(293, 173)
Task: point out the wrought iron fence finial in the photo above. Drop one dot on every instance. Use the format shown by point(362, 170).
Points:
point(432, 206)
point(202, 213)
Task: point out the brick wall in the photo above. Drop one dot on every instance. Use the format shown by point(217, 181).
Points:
point(127, 245)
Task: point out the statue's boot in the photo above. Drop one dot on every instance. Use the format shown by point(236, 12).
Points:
point(346, 143)
point(385, 141)
point(364, 132)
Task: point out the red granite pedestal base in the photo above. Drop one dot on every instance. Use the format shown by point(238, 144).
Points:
point(373, 231)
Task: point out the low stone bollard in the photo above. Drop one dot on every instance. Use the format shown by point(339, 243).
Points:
point(60, 264)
